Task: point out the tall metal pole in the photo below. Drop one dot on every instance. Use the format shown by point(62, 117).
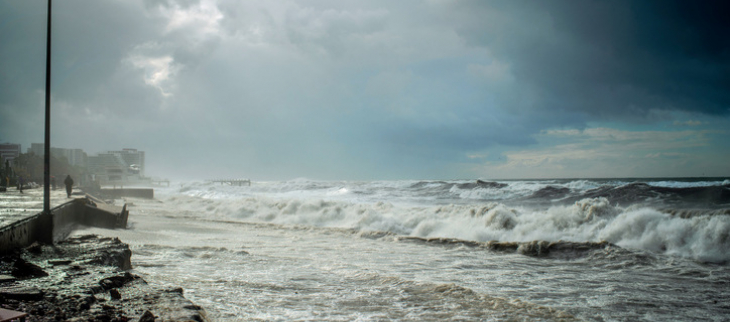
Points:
point(47, 147)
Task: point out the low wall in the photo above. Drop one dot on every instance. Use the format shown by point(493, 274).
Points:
point(146, 193)
point(66, 217)
point(62, 221)
point(20, 233)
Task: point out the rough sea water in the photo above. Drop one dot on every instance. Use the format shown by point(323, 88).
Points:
point(302, 250)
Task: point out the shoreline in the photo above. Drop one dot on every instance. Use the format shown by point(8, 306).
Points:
point(83, 278)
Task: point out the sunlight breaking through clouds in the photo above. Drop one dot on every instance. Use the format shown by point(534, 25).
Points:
point(158, 72)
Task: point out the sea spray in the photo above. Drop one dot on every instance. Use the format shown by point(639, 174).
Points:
point(438, 209)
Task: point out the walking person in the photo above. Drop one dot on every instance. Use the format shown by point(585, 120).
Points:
point(20, 183)
point(69, 184)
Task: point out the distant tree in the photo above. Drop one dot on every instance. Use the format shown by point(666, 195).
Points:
point(30, 166)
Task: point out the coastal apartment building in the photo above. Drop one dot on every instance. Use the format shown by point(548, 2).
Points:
point(117, 167)
point(9, 151)
point(126, 166)
point(133, 158)
point(75, 157)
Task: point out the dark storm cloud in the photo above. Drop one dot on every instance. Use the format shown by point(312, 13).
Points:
point(90, 39)
point(611, 59)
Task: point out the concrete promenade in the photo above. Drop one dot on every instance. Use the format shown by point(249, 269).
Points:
point(15, 206)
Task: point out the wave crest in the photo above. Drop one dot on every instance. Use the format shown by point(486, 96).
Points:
point(698, 234)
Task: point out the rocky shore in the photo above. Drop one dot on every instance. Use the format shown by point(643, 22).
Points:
point(86, 278)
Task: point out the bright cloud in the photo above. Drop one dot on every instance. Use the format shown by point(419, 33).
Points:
point(203, 18)
point(602, 152)
point(158, 72)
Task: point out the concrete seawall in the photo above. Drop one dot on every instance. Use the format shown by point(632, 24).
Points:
point(23, 233)
point(145, 193)
point(62, 221)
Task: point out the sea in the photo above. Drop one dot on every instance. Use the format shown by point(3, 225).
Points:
point(454, 250)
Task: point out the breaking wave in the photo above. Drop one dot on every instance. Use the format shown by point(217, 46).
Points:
point(702, 234)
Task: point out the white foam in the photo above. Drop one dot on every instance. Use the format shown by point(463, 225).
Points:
point(333, 204)
point(684, 184)
point(701, 237)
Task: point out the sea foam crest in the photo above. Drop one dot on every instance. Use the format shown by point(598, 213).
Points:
point(700, 236)
point(705, 238)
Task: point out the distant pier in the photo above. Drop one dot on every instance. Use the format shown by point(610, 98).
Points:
point(160, 182)
point(233, 182)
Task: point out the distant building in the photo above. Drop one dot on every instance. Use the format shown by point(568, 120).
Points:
point(75, 157)
point(117, 167)
point(133, 158)
point(37, 149)
point(9, 151)
point(113, 167)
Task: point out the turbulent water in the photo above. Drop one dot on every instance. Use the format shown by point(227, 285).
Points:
point(596, 250)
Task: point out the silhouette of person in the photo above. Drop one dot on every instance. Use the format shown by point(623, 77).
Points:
point(69, 184)
point(20, 183)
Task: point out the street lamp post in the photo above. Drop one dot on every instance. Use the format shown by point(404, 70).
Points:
point(47, 230)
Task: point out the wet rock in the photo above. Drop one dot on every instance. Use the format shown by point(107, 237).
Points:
point(38, 311)
point(6, 278)
point(90, 299)
point(115, 253)
point(95, 290)
point(117, 281)
point(103, 317)
point(198, 318)
point(20, 293)
point(77, 269)
point(84, 306)
point(115, 295)
point(178, 290)
point(59, 262)
point(147, 317)
point(23, 269)
point(106, 251)
point(35, 248)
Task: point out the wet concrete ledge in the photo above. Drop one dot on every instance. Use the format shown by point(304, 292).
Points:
point(145, 193)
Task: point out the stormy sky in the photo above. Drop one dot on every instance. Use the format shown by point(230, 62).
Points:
point(365, 90)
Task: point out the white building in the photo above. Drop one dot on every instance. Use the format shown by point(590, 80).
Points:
point(133, 158)
point(118, 167)
point(8, 151)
